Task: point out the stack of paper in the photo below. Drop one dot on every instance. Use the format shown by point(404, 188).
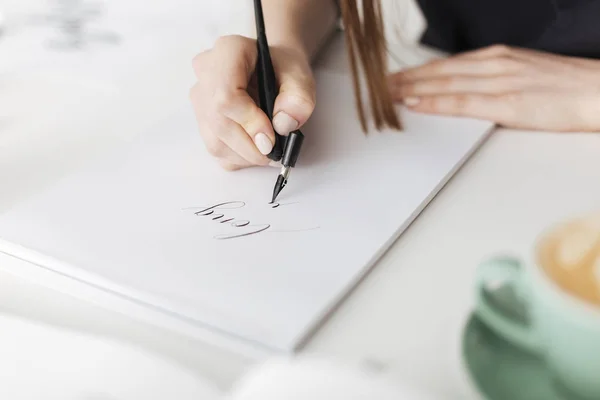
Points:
point(159, 225)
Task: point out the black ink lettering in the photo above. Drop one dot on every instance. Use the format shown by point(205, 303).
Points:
point(221, 218)
point(239, 224)
point(275, 205)
point(259, 228)
point(229, 205)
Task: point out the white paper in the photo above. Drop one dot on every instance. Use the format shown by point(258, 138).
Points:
point(128, 223)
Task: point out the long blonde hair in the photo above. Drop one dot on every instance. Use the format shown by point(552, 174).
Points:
point(366, 47)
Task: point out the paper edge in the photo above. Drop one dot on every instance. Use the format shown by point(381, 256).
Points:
point(41, 269)
point(321, 319)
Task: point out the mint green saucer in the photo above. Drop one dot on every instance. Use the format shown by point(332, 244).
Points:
point(502, 371)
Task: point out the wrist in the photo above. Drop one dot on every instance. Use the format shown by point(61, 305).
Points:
point(591, 102)
point(293, 43)
point(300, 26)
point(591, 114)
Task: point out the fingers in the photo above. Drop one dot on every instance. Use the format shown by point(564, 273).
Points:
point(476, 84)
point(237, 131)
point(226, 157)
point(234, 128)
point(226, 139)
point(229, 63)
point(513, 87)
point(237, 139)
point(258, 136)
point(297, 95)
point(491, 61)
point(500, 109)
point(459, 66)
point(495, 51)
point(456, 85)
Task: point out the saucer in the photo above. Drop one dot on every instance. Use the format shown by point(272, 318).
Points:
point(502, 371)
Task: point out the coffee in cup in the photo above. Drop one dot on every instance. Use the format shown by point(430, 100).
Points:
point(560, 289)
point(570, 257)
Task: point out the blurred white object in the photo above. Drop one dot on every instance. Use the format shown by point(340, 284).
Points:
point(308, 378)
point(403, 21)
point(71, 17)
point(42, 362)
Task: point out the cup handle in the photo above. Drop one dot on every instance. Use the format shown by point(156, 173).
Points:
point(510, 271)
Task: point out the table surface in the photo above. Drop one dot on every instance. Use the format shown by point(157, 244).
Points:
point(407, 316)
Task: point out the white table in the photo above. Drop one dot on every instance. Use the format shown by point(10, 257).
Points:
point(407, 315)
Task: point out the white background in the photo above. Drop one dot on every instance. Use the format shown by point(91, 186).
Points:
point(407, 316)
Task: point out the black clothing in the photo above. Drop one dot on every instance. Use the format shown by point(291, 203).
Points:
point(568, 27)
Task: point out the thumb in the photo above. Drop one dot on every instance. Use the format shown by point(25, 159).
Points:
point(295, 102)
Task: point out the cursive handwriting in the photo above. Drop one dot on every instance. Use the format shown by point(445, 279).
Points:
point(275, 205)
point(215, 213)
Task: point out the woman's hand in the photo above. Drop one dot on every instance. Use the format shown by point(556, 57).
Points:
point(234, 128)
point(515, 88)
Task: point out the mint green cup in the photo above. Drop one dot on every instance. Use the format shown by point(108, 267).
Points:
point(561, 328)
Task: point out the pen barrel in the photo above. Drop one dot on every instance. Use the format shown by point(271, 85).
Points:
point(267, 81)
point(293, 145)
point(268, 89)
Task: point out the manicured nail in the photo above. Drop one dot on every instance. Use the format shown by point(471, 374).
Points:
point(263, 143)
point(283, 123)
point(411, 101)
point(275, 164)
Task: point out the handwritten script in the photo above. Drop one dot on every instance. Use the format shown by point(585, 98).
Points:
point(217, 214)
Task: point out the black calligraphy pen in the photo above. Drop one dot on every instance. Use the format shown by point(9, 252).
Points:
point(285, 149)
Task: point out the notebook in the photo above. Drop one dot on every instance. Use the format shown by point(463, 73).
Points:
point(158, 226)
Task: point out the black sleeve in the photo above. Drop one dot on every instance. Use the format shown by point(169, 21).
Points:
point(442, 30)
point(569, 27)
point(576, 30)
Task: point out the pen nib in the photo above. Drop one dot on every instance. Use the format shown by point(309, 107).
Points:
point(278, 186)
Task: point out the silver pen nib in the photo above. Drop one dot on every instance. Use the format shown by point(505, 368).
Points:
point(281, 182)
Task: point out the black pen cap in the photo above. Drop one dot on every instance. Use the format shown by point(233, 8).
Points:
point(293, 145)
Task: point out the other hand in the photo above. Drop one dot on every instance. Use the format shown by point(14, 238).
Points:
point(515, 88)
point(234, 128)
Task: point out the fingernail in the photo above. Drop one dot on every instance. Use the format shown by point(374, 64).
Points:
point(411, 101)
point(263, 143)
point(283, 123)
point(276, 164)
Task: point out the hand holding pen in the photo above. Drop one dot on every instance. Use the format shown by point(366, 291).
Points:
point(235, 130)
